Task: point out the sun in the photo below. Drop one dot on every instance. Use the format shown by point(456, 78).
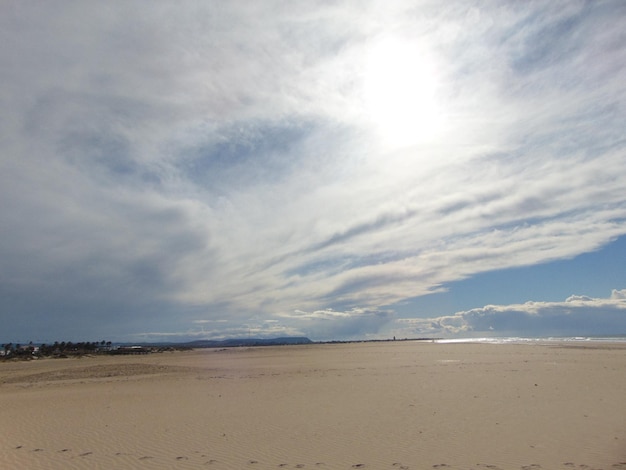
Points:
point(400, 93)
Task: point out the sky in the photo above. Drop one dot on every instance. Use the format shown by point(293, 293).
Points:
point(172, 171)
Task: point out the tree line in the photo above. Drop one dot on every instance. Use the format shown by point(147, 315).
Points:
point(56, 348)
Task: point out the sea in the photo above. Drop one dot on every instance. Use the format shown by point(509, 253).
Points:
point(537, 340)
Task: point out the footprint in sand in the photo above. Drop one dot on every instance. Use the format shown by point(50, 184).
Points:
point(37, 450)
point(64, 450)
point(358, 465)
point(182, 458)
point(85, 454)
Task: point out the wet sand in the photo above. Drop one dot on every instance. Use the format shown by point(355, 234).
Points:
point(387, 405)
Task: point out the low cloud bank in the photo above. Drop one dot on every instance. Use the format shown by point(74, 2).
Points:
point(317, 325)
point(357, 323)
point(578, 315)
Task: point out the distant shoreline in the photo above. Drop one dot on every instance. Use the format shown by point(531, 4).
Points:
point(36, 351)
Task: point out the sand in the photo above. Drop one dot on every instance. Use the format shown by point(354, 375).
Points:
point(387, 405)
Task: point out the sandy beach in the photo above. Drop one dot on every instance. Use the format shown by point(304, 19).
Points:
point(387, 405)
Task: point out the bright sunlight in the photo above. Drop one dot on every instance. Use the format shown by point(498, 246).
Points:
point(400, 87)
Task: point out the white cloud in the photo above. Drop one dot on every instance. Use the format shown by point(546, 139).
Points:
point(328, 323)
point(578, 298)
point(618, 294)
point(578, 315)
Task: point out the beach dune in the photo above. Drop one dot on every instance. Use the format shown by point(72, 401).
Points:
point(374, 405)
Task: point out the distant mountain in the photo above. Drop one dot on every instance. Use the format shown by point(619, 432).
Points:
point(233, 342)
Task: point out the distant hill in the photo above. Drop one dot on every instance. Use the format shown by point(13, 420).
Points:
point(234, 342)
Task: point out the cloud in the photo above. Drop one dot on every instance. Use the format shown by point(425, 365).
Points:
point(162, 161)
point(578, 315)
point(328, 323)
point(618, 294)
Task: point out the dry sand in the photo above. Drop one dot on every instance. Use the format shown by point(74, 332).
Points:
point(390, 405)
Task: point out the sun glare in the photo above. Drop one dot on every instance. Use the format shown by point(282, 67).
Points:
point(400, 87)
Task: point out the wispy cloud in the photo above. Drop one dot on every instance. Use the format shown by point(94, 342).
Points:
point(179, 163)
